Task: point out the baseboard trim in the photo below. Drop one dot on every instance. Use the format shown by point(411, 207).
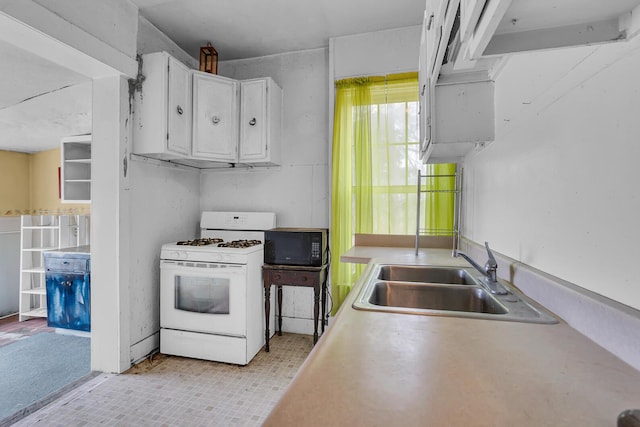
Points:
point(142, 349)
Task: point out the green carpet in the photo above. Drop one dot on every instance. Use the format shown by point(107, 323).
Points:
point(35, 367)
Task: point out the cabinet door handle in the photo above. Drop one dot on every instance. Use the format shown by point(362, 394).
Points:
point(252, 122)
point(215, 120)
point(430, 22)
point(179, 110)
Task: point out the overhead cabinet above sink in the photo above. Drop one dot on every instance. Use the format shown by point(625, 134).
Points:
point(498, 27)
point(205, 120)
point(456, 111)
point(465, 41)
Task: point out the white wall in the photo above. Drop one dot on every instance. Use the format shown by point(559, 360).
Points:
point(112, 22)
point(151, 39)
point(165, 207)
point(9, 265)
point(376, 53)
point(98, 38)
point(557, 189)
point(133, 213)
point(298, 190)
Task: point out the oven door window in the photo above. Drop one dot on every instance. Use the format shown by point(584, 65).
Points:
point(202, 294)
point(205, 297)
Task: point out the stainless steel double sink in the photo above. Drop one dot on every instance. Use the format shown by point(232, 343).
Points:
point(444, 291)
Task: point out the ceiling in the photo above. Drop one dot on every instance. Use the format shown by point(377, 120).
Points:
point(40, 102)
point(250, 28)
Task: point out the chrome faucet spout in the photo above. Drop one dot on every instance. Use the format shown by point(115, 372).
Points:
point(471, 261)
point(489, 271)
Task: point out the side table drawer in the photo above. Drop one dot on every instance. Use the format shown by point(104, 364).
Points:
point(288, 277)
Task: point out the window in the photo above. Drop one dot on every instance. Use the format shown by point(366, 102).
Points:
point(375, 166)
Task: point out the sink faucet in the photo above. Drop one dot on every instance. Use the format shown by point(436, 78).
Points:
point(489, 271)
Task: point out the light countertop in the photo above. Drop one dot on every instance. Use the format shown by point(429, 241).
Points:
point(364, 254)
point(73, 250)
point(387, 369)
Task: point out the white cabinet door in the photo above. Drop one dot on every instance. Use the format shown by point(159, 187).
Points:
point(470, 11)
point(253, 120)
point(260, 121)
point(162, 109)
point(178, 108)
point(433, 32)
point(215, 118)
point(424, 89)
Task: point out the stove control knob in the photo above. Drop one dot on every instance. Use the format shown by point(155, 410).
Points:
point(219, 257)
point(184, 255)
point(175, 255)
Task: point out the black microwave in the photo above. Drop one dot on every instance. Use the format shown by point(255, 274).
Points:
point(296, 246)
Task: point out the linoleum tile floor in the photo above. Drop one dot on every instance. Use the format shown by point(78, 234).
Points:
point(176, 391)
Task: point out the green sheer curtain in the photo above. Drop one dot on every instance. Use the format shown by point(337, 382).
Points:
point(351, 134)
point(375, 167)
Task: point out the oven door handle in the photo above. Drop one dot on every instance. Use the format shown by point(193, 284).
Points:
point(198, 264)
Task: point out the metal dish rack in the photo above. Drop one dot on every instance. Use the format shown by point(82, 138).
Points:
point(454, 232)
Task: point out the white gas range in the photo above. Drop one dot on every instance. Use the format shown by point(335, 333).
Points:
point(211, 292)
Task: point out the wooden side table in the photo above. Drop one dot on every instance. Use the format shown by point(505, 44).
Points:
point(294, 275)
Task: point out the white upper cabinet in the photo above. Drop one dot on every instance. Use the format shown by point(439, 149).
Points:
point(424, 88)
point(456, 106)
point(162, 109)
point(204, 120)
point(498, 27)
point(465, 40)
point(215, 118)
point(260, 121)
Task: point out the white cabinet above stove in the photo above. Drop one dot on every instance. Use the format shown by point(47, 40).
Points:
point(205, 120)
point(215, 118)
point(260, 121)
point(162, 110)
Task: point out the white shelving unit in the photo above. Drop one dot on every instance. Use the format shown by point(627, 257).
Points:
point(41, 233)
point(76, 169)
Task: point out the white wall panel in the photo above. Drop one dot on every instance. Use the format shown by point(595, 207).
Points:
point(165, 207)
point(116, 26)
point(376, 53)
point(298, 190)
point(9, 265)
point(558, 188)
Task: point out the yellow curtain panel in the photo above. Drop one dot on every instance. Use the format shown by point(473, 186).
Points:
point(375, 167)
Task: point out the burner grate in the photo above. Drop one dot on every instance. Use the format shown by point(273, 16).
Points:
point(220, 243)
point(200, 242)
point(239, 244)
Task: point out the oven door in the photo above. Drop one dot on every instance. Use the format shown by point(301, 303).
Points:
point(203, 297)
